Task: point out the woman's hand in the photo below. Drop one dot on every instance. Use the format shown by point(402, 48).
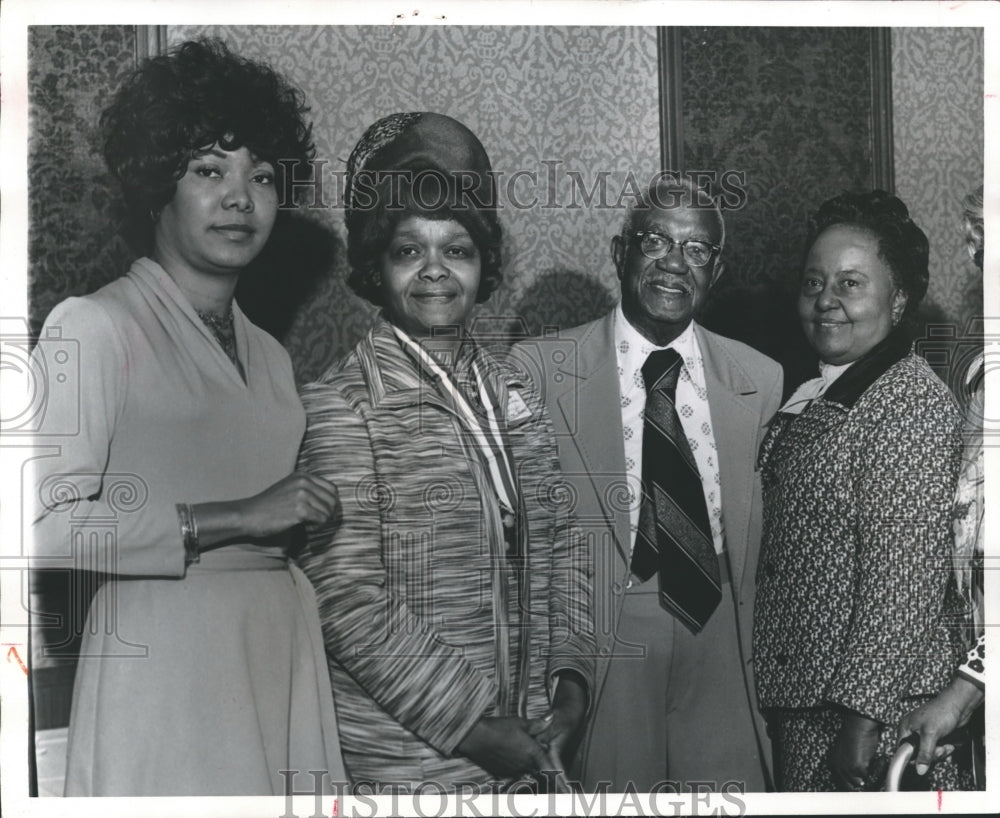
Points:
point(298, 498)
point(950, 709)
point(504, 746)
point(562, 728)
point(853, 750)
point(562, 734)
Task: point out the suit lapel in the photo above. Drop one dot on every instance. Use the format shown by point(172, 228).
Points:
point(590, 406)
point(591, 411)
point(731, 401)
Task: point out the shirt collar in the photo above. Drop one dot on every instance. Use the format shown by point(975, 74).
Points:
point(632, 348)
point(975, 368)
point(808, 391)
point(829, 373)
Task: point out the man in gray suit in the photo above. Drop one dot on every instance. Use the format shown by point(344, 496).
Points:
point(674, 697)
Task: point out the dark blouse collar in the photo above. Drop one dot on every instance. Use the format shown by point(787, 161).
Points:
point(869, 368)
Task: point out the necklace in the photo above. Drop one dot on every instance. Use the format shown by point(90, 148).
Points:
point(224, 329)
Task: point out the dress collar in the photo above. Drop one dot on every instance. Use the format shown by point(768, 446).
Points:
point(853, 383)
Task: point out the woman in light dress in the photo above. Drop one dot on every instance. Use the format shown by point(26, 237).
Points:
point(202, 669)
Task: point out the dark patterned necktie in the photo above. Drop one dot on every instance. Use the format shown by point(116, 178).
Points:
point(674, 536)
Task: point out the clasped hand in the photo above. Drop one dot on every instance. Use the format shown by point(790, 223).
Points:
point(510, 746)
point(853, 750)
point(506, 746)
point(298, 498)
point(268, 516)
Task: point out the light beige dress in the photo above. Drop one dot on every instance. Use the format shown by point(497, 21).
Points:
point(208, 680)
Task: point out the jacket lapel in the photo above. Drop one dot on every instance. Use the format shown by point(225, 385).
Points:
point(591, 412)
point(589, 405)
point(731, 402)
point(393, 378)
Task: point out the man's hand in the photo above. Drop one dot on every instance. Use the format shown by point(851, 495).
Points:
point(505, 746)
point(853, 750)
point(950, 709)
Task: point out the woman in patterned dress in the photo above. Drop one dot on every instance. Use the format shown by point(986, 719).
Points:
point(171, 467)
point(455, 611)
point(955, 706)
point(855, 614)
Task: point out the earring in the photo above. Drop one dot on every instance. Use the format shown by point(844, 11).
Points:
point(154, 216)
point(898, 307)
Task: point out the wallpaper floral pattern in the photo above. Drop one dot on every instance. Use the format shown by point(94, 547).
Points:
point(73, 246)
point(937, 79)
point(548, 101)
point(786, 106)
point(789, 108)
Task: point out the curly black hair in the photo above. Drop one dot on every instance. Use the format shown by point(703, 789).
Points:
point(198, 95)
point(370, 230)
point(901, 243)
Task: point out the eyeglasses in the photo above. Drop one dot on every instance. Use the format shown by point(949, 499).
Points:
point(656, 246)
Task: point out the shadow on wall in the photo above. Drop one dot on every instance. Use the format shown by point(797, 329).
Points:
point(560, 298)
point(73, 249)
point(299, 257)
point(762, 315)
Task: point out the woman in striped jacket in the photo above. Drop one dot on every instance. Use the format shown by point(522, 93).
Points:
point(455, 608)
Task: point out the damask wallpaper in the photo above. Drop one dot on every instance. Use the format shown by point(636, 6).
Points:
point(552, 102)
point(573, 110)
point(789, 108)
point(73, 249)
point(937, 77)
point(73, 246)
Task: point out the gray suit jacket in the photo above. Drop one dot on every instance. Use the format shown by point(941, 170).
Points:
point(577, 374)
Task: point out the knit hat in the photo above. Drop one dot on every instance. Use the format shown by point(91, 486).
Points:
point(418, 162)
point(424, 149)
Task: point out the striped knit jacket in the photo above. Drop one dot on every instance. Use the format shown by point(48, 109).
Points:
point(418, 599)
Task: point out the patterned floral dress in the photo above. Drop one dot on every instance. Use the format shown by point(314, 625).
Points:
point(854, 611)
